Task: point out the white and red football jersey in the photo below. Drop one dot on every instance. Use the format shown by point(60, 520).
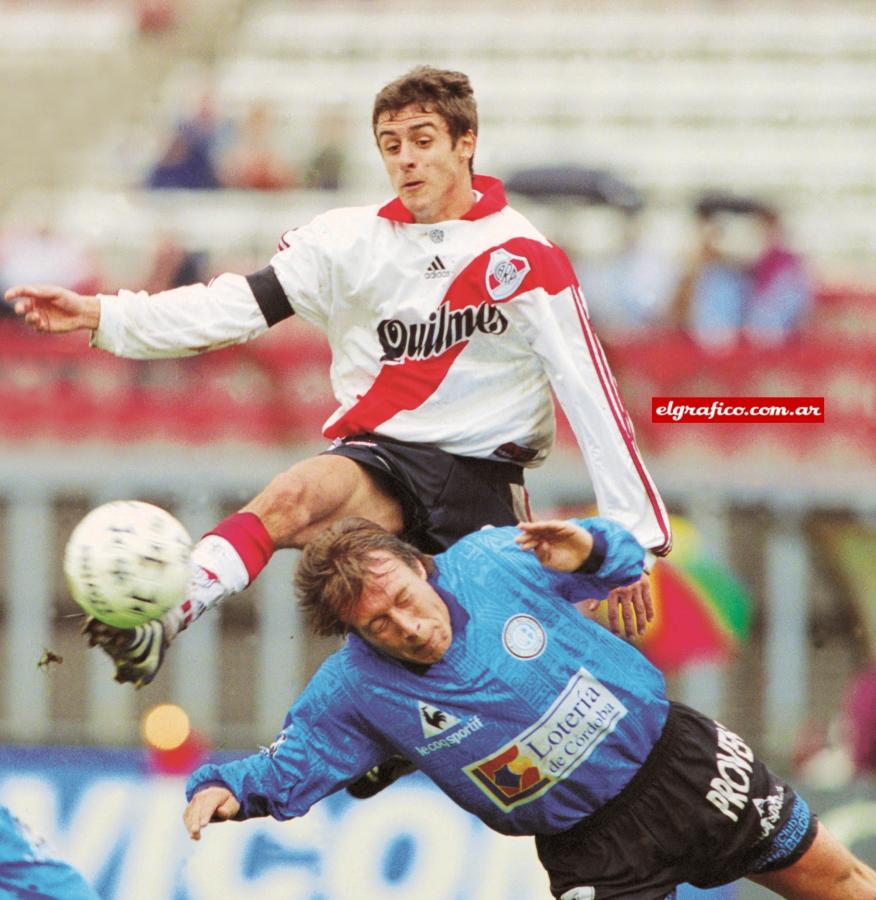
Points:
point(449, 334)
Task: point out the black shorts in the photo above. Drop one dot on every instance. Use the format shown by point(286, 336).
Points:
point(443, 496)
point(702, 809)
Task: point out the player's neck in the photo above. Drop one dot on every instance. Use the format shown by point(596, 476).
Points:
point(455, 207)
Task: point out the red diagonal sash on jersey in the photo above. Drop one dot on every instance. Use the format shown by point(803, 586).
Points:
point(405, 386)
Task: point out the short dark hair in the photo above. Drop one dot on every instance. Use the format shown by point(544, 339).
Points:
point(442, 91)
point(333, 568)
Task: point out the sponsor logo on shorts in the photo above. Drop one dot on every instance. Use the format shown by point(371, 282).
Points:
point(729, 789)
point(505, 273)
point(451, 738)
point(524, 637)
point(580, 718)
point(769, 809)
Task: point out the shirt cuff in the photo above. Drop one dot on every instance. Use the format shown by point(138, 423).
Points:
point(107, 334)
point(591, 565)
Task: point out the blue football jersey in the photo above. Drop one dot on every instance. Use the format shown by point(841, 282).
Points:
point(535, 717)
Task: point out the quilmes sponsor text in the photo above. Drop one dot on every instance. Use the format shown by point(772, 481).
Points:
point(439, 333)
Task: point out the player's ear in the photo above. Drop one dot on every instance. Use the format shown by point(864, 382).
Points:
point(465, 145)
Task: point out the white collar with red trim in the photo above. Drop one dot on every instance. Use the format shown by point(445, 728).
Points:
point(491, 200)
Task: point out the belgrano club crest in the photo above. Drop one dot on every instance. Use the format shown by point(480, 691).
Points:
point(505, 272)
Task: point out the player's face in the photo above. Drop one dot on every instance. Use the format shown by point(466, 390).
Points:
point(430, 174)
point(400, 613)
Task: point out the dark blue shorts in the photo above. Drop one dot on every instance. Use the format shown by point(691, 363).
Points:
point(443, 497)
point(702, 810)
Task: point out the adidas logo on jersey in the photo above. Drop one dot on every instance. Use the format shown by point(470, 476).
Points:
point(437, 269)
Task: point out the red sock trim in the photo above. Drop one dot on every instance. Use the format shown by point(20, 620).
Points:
point(249, 537)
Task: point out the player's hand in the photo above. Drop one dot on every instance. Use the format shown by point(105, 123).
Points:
point(635, 605)
point(212, 804)
point(558, 543)
point(49, 308)
point(137, 653)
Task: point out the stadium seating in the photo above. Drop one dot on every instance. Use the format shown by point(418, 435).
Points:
point(675, 98)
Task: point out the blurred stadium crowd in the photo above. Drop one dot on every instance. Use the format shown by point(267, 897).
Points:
point(710, 168)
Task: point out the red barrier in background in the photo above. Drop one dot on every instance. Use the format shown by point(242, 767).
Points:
point(276, 389)
point(56, 387)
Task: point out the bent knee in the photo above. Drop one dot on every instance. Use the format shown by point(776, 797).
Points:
point(285, 492)
point(299, 503)
point(282, 507)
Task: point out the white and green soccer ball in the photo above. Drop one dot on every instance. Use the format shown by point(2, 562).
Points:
point(128, 562)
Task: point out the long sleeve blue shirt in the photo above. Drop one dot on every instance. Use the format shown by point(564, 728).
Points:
point(534, 718)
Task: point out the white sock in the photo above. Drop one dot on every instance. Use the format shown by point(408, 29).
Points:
point(211, 556)
point(216, 555)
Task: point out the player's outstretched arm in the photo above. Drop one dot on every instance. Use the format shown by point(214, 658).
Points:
point(212, 804)
point(558, 543)
point(48, 308)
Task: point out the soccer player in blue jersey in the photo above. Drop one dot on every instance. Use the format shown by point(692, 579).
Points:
point(29, 869)
point(475, 665)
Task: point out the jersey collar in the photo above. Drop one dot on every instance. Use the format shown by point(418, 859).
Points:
point(492, 201)
point(458, 616)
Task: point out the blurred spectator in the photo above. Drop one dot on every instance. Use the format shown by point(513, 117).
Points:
point(742, 280)
point(829, 758)
point(40, 254)
point(188, 161)
point(326, 168)
point(781, 292)
point(626, 277)
point(253, 161)
point(629, 288)
point(156, 16)
point(173, 266)
point(861, 717)
point(822, 756)
point(711, 294)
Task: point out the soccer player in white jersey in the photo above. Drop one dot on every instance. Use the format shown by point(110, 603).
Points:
point(450, 318)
